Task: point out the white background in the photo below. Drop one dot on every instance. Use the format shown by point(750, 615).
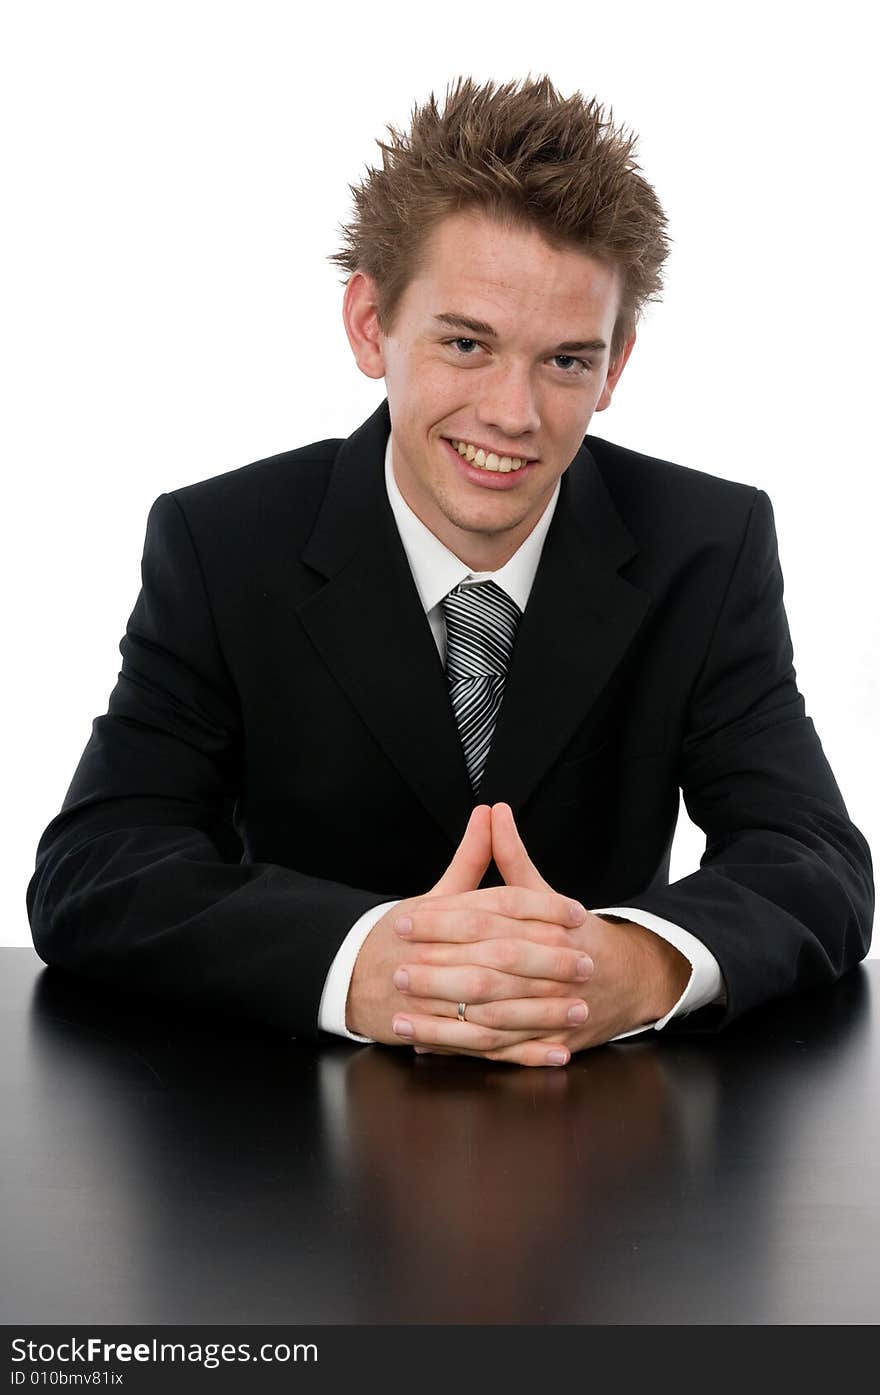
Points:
point(173, 175)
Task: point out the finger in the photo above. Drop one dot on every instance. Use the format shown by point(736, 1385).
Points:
point(525, 1053)
point(508, 954)
point(493, 969)
point(532, 1053)
point(535, 1052)
point(446, 932)
point(509, 851)
point(535, 1015)
point(428, 987)
point(471, 857)
point(416, 1029)
point(460, 931)
point(517, 903)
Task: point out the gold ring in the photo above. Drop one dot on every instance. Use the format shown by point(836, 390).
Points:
point(462, 1009)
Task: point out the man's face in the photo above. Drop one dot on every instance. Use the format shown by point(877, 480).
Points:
point(501, 345)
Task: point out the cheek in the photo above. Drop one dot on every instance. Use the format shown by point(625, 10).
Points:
point(419, 385)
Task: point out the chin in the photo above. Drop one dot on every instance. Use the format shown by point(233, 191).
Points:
point(487, 521)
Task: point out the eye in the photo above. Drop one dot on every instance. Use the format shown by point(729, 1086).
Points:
point(571, 365)
point(465, 345)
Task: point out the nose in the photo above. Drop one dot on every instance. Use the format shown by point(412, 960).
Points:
point(508, 406)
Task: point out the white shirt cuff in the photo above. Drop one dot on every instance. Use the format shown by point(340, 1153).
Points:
point(705, 984)
point(331, 1010)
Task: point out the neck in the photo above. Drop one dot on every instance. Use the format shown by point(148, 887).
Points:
point(485, 553)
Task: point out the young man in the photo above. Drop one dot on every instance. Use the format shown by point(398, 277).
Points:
point(396, 747)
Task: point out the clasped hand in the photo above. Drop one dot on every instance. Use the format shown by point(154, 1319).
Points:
point(541, 976)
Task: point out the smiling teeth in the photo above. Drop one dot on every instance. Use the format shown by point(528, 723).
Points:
point(502, 463)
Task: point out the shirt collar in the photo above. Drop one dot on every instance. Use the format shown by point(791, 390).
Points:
point(436, 570)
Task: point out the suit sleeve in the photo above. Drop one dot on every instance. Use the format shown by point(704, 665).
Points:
point(139, 880)
point(784, 895)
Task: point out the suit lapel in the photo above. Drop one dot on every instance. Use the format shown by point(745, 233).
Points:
point(368, 625)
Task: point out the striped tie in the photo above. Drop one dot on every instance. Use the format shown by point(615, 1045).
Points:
point(481, 623)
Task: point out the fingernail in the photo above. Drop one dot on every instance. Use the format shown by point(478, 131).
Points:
point(577, 913)
point(578, 1013)
point(557, 1058)
point(584, 967)
point(402, 1027)
point(403, 926)
point(401, 980)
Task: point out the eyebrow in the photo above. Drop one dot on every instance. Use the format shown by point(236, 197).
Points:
point(456, 321)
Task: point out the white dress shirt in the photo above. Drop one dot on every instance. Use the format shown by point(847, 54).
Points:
point(435, 572)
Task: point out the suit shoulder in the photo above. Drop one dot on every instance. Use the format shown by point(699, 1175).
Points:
point(287, 472)
point(655, 494)
point(632, 467)
point(279, 491)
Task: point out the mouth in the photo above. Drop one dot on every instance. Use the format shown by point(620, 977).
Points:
point(482, 458)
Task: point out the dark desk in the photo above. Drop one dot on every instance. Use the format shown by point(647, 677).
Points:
point(155, 1171)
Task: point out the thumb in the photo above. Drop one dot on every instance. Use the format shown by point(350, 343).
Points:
point(509, 852)
point(472, 856)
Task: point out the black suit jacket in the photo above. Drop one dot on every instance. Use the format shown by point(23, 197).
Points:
point(280, 752)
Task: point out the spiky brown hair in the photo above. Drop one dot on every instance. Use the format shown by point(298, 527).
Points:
point(521, 153)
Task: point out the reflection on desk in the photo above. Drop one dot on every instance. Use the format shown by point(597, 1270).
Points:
point(159, 1170)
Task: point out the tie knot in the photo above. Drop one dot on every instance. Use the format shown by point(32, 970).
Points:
point(481, 624)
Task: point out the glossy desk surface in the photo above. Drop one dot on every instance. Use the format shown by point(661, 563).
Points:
point(162, 1171)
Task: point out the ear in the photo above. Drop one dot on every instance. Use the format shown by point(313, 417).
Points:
point(361, 319)
point(614, 372)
